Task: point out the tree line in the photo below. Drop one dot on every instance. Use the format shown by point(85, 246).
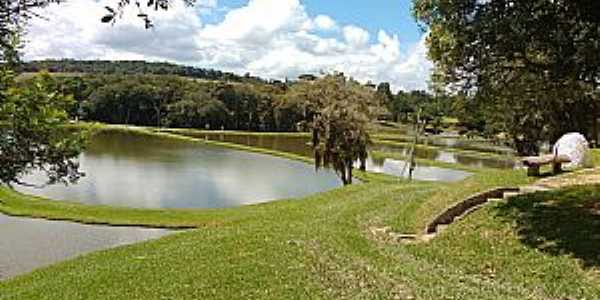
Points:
point(220, 99)
point(131, 67)
point(173, 101)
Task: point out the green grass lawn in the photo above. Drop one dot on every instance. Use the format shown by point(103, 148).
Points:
point(542, 246)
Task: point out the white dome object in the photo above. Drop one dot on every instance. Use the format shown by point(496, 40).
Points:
point(576, 148)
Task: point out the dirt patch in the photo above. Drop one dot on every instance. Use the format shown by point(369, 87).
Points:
point(583, 177)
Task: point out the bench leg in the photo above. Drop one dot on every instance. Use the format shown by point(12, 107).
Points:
point(533, 171)
point(556, 168)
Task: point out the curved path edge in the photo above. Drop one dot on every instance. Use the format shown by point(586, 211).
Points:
point(470, 204)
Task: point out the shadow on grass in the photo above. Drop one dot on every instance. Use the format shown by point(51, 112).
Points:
point(565, 222)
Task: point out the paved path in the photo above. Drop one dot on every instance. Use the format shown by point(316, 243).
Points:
point(28, 244)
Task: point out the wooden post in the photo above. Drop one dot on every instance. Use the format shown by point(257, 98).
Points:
point(411, 166)
point(556, 167)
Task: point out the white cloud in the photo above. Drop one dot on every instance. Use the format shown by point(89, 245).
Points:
point(356, 36)
point(269, 38)
point(324, 22)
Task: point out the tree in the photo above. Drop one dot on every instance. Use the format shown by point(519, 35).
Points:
point(196, 111)
point(538, 56)
point(14, 14)
point(32, 132)
point(32, 118)
point(384, 93)
point(401, 106)
point(340, 109)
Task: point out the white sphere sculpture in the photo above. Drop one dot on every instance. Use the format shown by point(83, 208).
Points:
point(576, 148)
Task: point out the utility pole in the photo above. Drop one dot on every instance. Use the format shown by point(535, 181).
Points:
point(412, 163)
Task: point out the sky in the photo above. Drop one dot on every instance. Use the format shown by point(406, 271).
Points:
point(376, 40)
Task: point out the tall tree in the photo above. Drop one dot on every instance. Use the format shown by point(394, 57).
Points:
point(537, 56)
point(340, 111)
point(32, 119)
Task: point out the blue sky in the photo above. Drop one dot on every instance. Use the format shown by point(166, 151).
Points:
point(377, 40)
point(393, 16)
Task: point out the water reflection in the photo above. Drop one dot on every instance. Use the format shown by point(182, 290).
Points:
point(457, 143)
point(152, 172)
point(27, 244)
point(400, 168)
point(300, 145)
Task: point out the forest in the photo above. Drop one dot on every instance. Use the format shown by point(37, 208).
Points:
point(170, 95)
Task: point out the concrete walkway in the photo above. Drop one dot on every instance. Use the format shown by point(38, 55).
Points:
point(28, 244)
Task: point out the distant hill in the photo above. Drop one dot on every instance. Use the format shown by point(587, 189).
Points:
point(132, 67)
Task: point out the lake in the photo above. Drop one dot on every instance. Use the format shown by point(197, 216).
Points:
point(148, 171)
point(301, 145)
point(136, 170)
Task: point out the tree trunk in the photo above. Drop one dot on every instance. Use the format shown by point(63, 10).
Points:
point(343, 177)
point(594, 141)
point(157, 110)
point(350, 167)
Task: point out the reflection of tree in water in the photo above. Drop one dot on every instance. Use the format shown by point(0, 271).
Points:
point(565, 222)
point(484, 162)
point(134, 146)
point(403, 150)
point(296, 145)
point(300, 145)
point(378, 161)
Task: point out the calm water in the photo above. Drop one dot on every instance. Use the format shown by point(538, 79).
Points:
point(400, 168)
point(27, 244)
point(133, 170)
point(301, 146)
point(457, 142)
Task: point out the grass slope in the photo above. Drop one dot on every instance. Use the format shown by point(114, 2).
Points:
point(542, 246)
point(321, 247)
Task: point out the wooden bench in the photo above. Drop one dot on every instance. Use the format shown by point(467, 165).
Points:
point(533, 163)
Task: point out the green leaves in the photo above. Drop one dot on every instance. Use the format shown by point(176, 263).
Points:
point(33, 133)
point(340, 111)
point(526, 62)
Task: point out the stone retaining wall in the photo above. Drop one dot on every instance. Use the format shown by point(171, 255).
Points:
point(461, 208)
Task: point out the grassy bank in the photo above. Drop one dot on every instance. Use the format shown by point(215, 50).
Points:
point(16, 204)
point(323, 246)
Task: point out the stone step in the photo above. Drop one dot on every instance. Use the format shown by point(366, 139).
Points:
point(533, 189)
point(508, 195)
point(495, 200)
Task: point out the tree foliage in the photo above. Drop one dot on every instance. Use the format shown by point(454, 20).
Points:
point(149, 100)
point(115, 11)
point(33, 135)
point(338, 111)
point(32, 131)
point(531, 62)
point(432, 108)
point(14, 15)
point(126, 67)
